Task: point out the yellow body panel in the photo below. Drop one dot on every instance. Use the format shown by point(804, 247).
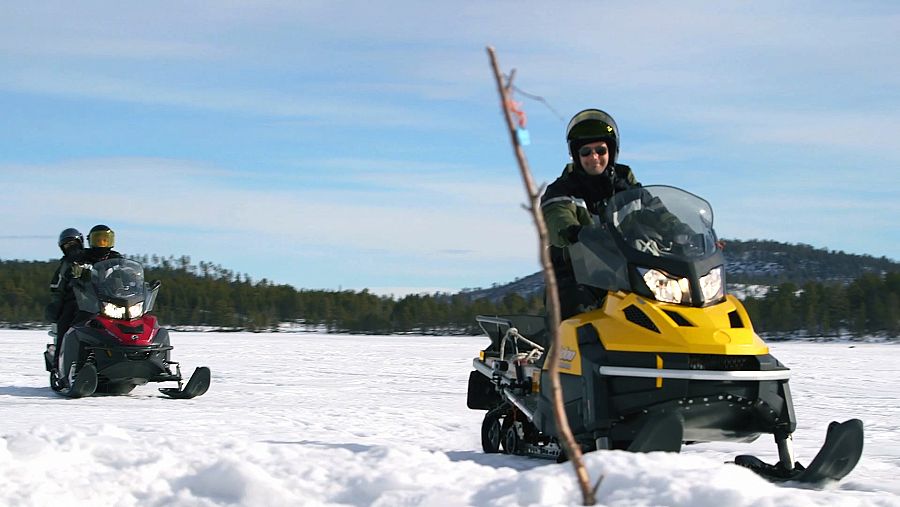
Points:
point(711, 332)
point(570, 355)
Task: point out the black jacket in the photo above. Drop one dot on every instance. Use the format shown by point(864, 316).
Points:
point(573, 200)
point(95, 255)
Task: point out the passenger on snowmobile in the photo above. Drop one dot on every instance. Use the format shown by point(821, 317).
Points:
point(61, 308)
point(579, 195)
point(101, 240)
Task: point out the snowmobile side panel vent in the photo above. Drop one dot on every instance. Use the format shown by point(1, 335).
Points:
point(587, 335)
point(636, 316)
point(723, 363)
point(679, 319)
point(735, 319)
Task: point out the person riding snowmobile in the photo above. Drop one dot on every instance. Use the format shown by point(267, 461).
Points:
point(581, 193)
point(101, 239)
point(61, 308)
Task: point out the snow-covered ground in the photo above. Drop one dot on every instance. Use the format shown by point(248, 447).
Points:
point(314, 419)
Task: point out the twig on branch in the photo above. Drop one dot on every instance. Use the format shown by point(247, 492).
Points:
point(570, 446)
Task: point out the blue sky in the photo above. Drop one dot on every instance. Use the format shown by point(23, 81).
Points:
point(360, 144)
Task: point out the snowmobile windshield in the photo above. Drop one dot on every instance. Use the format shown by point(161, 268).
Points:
point(663, 221)
point(118, 279)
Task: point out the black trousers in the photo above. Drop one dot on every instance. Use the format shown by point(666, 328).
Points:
point(579, 298)
point(575, 298)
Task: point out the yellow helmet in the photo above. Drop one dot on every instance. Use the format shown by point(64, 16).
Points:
point(101, 236)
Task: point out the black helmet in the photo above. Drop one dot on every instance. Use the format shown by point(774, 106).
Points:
point(69, 238)
point(101, 236)
point(589, 126)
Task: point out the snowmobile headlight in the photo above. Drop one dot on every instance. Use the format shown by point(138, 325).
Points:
point(711, 285)
point(135, 310)
point(666, 288)
point(113, 311)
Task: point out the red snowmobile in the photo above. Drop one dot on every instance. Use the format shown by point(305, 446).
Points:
point(121, 346)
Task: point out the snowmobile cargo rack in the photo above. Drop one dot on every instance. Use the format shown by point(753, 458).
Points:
point(525, 331)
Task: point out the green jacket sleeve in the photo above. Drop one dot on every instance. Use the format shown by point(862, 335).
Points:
point(559, 216)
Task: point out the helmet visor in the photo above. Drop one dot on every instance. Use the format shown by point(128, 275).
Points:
point(592, 129)
point(71, 245)
point(102, 239)
point(591, 123)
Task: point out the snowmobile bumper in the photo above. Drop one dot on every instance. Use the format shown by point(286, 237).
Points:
point(135, 365)
point(709, 405)
point(700, 405)
point(728, 376)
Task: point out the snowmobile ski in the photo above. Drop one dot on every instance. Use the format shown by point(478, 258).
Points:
point(85, 383)
point(839, 454)
point(196, 386)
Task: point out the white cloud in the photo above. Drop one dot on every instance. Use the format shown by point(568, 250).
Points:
point(688, 81)
point(182, 196)
point(857, 130)
point(313, 110)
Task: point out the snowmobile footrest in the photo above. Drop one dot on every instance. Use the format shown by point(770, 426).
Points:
point(196, 386)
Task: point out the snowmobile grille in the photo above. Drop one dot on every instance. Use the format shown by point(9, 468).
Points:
point(722, 363)
point(679, 319)
point(138, 329)
point(138, 355)
point(735, 319)
point(636, 316)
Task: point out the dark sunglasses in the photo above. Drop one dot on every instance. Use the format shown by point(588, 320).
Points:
point(585, 151)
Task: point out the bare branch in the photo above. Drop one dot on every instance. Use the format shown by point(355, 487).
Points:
point(566, 439)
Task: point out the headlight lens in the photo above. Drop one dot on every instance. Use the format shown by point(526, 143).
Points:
point(711, 285)
point(113, 311)
point(665, 288)
point(135, 310)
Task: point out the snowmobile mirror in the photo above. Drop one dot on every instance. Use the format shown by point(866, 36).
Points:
point(151, 293)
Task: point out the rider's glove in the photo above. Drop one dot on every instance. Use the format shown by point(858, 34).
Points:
point(81, 270)
point(571, 233)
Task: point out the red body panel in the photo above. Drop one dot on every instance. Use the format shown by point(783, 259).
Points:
point(131, 332)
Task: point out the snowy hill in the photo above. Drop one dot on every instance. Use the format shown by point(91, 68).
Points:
point(312, 419)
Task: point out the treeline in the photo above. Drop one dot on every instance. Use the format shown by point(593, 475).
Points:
point(870, 305)
point(210, 295)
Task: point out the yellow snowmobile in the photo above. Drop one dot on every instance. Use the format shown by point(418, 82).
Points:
point(665, 358)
